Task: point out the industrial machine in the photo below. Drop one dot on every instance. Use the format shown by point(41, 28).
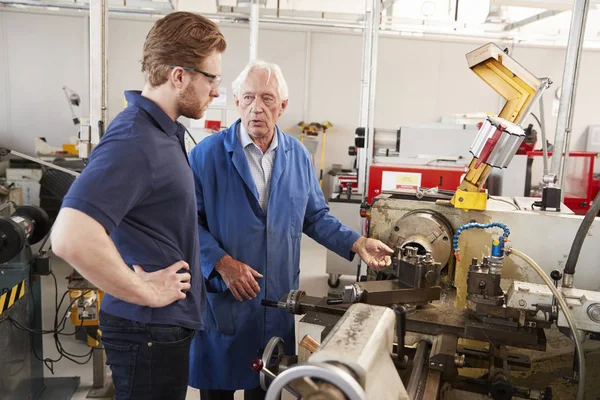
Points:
point(465, 288)
point(21, 352)
point(475, 287)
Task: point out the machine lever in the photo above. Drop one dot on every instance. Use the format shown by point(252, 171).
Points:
point(400, 359)
point(268, 303)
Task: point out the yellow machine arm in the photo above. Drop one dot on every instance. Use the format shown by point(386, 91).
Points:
point(515, 84)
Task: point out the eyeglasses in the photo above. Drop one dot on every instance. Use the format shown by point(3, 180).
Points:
point(215, 80)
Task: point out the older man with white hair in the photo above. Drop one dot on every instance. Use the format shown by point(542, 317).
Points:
point(257, 193)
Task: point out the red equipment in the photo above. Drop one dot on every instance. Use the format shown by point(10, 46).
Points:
point(444, 178)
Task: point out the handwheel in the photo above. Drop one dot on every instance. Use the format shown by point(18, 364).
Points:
point(270, 358)
point(333, 281)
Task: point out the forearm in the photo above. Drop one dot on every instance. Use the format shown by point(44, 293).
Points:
point(331, 233)
point(359, 242)
point(83, 243)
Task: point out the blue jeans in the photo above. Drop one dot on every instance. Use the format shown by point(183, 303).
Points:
point(147, 361)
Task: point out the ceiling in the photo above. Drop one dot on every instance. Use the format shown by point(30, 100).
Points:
point(526, 21)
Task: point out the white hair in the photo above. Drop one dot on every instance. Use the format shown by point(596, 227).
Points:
point(273, 69)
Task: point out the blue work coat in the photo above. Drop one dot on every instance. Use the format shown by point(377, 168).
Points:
point(231, 221)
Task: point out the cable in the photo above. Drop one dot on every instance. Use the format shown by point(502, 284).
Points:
point(58, 328)
point(506, 201)
point(537, 119)
point(582, 232)
point(566, 312)
point(190, 135)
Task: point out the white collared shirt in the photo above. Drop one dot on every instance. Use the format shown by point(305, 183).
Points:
point(261, 164)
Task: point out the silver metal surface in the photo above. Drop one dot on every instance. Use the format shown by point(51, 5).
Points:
point(352, 293)
point(505, 148)
point(495, 264)
point(569, 82)
point(416, 376)
point(567, 280)
point(548, 249)
point(384, 139)
point(293, 300)
point(254, 19)
point(44, 163)
point(594, 312)
point(327, 372)
point(537, 97)
point(544, 136)
point(564, 165)
point(362, 340)
point(526, 296)
point(98, 68)
point(534, 18)
point(368, 87)
point(579, 302)
point(424, 229)
point(583, 304)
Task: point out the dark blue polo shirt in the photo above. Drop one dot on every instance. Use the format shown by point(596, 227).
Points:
point(139, 186)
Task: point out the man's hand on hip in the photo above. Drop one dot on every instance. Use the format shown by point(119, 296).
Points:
point(165, 286)
point(373, 252)
point(239, 278)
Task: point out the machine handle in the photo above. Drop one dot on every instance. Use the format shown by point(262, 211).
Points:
point(269, 303)
point(400, 312)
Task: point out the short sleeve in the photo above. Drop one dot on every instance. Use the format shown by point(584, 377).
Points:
point(117, 178)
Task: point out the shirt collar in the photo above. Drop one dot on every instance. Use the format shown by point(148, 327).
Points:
point(246, 140)
point(135, 98)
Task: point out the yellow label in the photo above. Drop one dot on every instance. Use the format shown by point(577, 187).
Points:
point(407, 180)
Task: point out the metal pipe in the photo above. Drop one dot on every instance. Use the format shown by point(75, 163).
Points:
point(544, 84)
point(254, 15)
point(307, 57)
point(563, 165)
point(569, 82)
point(543, 133)
point(364, 96)
point(44, 163)
point(370, 72)
point(98, 69)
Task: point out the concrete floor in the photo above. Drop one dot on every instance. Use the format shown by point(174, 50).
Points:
point(313, 280)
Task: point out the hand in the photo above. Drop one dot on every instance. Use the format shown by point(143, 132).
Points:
point(239, 278)
point(165, 286)
point(374, 252)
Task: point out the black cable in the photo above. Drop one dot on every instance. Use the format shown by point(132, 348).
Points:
point(58, 328)
point(580, 236)
point(190, 135)
point(538, 120)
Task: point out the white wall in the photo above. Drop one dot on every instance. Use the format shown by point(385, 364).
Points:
point(39, 54)
point(418, 80)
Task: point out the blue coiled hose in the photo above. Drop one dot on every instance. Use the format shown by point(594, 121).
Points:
point(478, 226)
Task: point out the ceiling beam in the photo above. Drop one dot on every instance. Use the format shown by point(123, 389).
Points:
point(558, 5)
point(532, 19)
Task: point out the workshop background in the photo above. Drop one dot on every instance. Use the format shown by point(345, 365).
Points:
point(422, 79)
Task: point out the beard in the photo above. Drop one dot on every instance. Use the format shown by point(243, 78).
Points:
point(188, 104)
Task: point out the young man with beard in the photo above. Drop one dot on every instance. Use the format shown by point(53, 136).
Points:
point(129, 222)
